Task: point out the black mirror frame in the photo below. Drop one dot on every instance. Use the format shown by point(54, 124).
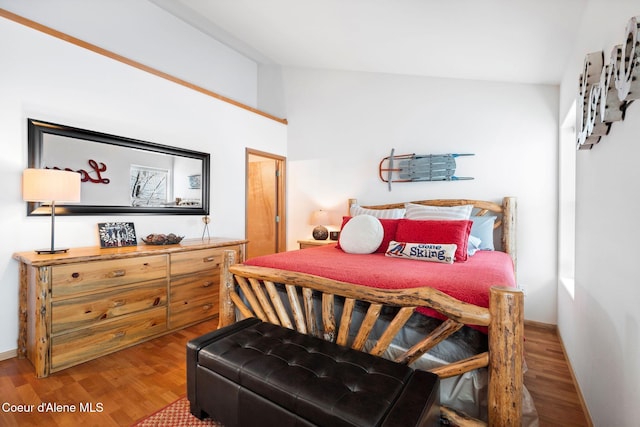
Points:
point(35, 132)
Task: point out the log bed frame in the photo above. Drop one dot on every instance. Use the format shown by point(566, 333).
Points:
point(504, 317)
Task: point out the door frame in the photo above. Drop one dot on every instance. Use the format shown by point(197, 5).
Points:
point(281, 225)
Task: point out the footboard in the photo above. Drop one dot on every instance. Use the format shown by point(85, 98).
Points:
point(259, 297)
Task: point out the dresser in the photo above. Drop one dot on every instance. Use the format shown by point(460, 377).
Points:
point(92, 301)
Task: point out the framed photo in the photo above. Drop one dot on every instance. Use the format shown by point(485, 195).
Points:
point(117, 234)
point(148, 186)
point(195, 182)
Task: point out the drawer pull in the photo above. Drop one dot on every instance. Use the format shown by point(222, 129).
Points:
point(206, 307)
point(207, 284)
point(119, 303)
point(119, 334)
point(209, 259)
point(156, 301)
point(118, 273)
point(75, 275)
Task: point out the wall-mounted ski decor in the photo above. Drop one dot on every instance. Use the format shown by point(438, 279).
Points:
point(419, 167)
point(607, 90)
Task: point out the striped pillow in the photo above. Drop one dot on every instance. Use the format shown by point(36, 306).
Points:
point(378, 213)
point(415, 211)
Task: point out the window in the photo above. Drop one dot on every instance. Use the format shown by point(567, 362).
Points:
point(567, 202)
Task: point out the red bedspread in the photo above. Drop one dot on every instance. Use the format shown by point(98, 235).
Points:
point(466, 281)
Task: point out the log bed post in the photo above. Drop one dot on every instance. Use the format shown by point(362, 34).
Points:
point(506, 358)
point(509, 207)
point(227, 314)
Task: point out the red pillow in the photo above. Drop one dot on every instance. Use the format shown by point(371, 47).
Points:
point(436, 231)
point(388, 225)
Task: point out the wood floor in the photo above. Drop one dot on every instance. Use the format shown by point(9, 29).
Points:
point(126, 386)
point(549, 380)
point(129, 384)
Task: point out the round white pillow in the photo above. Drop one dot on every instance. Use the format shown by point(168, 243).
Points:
point(362, 234)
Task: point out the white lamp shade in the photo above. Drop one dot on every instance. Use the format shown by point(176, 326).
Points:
point(50, 185)
point(320, 218)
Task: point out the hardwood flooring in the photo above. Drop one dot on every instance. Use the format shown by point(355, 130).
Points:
point(549, 379)
point(126, 386)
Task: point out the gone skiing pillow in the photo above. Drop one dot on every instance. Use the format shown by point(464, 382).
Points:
point(422, 251)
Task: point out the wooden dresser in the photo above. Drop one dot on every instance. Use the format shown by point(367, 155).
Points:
point(89, 302)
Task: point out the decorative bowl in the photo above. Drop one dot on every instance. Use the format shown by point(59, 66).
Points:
point(162, 239)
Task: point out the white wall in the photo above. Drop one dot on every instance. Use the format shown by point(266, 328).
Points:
point(48, 79)
point(342, 124)
point(144, 32)
point(600, 328)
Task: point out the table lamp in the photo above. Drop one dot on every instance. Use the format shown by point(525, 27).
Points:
point(50, 186)
point(319, 219)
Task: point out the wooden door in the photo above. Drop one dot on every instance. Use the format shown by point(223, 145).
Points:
point(265, 218)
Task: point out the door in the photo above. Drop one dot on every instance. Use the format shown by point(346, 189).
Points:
point(265, 216)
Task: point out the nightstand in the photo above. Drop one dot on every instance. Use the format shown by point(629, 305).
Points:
point(310, 243)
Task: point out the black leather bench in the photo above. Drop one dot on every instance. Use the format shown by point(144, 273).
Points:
point(253, 373)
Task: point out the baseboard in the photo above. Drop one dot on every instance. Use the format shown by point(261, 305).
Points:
point(585, 410)
point(10, 354)
point(541, 325)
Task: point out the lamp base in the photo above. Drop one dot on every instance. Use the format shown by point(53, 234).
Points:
point(52, 251)
point(320, 233)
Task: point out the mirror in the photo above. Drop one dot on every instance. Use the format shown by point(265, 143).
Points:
point(120, 175)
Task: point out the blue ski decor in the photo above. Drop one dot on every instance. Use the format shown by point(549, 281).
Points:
point(420, 167)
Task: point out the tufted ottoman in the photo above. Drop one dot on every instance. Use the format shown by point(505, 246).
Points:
point(253, 373)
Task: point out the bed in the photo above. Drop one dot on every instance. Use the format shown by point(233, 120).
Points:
point(469, 333)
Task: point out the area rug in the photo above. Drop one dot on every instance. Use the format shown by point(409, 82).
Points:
point(175, 414)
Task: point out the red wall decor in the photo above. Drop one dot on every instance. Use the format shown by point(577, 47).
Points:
point(85, 176)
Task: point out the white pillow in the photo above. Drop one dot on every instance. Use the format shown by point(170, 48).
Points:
point(362, 234)
point(356, 210)
point(422, 251)
point(415, 211)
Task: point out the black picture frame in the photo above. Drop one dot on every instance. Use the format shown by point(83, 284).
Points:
point(38, 131)
point(117, 234)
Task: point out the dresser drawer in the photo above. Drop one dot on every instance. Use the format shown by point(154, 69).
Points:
point(193, 298)
point(192, 310)
point(195, 285)
point(85, 344)
point(84, 311)
point(71, 279)
point(196, 261)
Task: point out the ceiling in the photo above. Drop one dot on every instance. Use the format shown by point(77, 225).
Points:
point(524, 41)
